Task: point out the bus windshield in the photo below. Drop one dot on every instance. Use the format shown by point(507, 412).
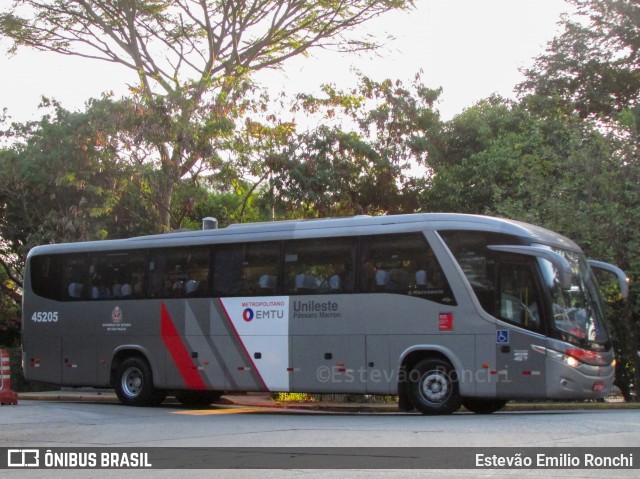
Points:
point(578, 317)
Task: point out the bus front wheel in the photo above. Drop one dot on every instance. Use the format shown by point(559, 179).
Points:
point(134, 384)
point(433, 388)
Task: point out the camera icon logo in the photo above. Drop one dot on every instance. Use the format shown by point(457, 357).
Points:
point(23, 458)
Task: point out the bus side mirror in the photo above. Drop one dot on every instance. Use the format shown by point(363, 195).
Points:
point(565, 275)
point(623, 281)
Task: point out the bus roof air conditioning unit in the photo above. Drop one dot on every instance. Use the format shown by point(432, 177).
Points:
point(209, 223)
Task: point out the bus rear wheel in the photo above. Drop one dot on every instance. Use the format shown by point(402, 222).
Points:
point(483, 405)
point(194, 399)
point(432, 387)
point(134, 384)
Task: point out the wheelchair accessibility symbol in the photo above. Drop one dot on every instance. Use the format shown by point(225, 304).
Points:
point(502, 336)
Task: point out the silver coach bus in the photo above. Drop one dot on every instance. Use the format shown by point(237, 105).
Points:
point(439, 309)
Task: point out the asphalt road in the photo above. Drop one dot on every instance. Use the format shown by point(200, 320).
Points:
point(50, 424)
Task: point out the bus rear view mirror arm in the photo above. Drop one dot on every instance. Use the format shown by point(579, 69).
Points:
point(623, 281)
point(565, 275)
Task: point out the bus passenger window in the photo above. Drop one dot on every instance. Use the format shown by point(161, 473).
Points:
point(402, 264)
point(477, 263)
point(116, 275)
point(74, 272)
point(179, 272)
point(505, 287)
point(320, 266)
point(42, 276)
point(227, 270)
point(246, 269)
point(59, 277)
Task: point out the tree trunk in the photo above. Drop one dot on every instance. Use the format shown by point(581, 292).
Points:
point(164, 193)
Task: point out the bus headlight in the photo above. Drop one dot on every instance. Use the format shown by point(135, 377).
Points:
point(571, 361)
point(575, 357)
point(593, 358)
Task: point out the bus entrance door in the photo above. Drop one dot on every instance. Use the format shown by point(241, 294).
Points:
point(521, 370)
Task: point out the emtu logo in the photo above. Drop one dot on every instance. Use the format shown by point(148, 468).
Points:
point(248, 315)
point(23, 458)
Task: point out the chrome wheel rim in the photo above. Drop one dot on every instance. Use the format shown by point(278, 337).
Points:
point(132, 382)
point(435, 387)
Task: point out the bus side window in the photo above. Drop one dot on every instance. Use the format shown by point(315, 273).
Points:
point(116, 275)
point(42, 274)
point(246, 269)
point(74, 276)
point(481, 268)
point(320, 266)
point(402, 264)
point(227, 270)
point(260, 269)
point(60, 277)
point(179, 272)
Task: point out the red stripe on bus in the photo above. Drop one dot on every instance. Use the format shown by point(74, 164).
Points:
point(178, 351)
point(248, 356)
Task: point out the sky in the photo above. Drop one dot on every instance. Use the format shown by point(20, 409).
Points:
point(470, 48)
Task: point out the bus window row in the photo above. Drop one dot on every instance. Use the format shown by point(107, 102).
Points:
point(402, 264)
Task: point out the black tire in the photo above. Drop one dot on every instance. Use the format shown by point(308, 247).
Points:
point(433, 388)
point(483, 405)
point(134, 384)
point(195, 399)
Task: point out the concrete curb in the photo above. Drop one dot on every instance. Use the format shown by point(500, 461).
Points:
point(79, 395)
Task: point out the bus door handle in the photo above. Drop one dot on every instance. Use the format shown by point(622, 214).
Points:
point(505, 349)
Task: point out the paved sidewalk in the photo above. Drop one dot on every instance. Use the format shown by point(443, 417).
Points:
point(264, 400)
point(109, 396)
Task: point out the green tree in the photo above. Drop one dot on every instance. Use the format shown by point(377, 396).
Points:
point(498, 157)
point(593, 65)
point(60, 180)
point(242, 202)
point(193, 59)
point(466, 175)
point(360, 160)
point(10, 299)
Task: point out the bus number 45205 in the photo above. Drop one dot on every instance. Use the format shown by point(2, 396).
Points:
point(45, 317)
